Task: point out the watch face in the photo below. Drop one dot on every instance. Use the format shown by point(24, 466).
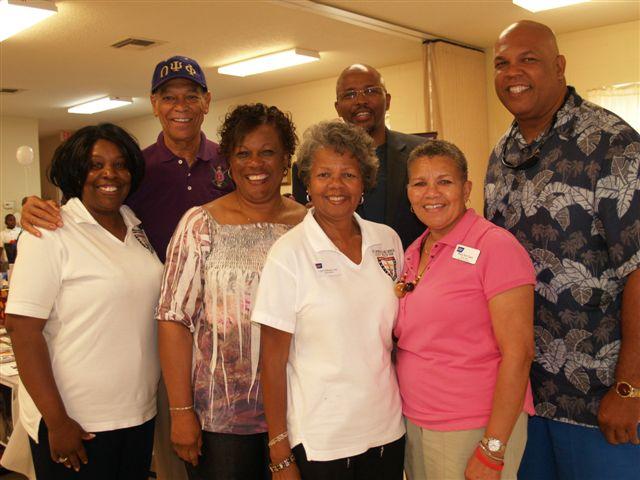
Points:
point(624, 389)
point(494, 445)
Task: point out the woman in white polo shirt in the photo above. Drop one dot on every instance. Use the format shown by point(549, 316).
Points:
point(327, 309)
point(81, 319)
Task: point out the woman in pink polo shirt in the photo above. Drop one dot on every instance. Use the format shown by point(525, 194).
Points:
point(465, 330)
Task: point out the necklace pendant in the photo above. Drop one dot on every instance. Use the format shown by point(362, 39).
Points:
point(399, 289)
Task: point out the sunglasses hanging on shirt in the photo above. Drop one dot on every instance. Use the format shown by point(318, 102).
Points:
point(526, 160)
point(530, 159)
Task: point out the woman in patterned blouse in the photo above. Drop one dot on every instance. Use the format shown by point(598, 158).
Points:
point(208, 346)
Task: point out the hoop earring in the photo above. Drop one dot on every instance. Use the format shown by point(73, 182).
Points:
point(229, 173)
point(361, 200)
point(411, 209)
point(308, 198)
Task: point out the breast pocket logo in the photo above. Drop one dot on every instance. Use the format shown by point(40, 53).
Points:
point(387, 262)
point(139, 235)
point(219, 176)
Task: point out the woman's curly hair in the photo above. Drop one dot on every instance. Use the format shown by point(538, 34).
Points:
point(243, 119)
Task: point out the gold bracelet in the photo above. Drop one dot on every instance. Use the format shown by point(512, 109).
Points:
point(277, 438)
point(181, 409)
point(287, 462)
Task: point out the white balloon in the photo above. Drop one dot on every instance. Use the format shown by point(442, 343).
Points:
point(24, 155)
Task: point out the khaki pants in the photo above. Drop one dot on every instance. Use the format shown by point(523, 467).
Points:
point(436, 455)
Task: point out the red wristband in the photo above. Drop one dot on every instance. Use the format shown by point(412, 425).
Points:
point(485, 461)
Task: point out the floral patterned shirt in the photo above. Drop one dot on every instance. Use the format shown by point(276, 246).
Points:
point(577, 212)
point(210, 280)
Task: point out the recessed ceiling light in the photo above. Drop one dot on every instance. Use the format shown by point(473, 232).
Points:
point(267, 63)
point(540, 5)
point(18, 15)
point(100, 105)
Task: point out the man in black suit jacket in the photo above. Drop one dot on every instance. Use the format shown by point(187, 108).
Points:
point(362, 99)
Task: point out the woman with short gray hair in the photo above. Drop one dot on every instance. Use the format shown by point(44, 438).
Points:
point(327, 310)
point(334, 135)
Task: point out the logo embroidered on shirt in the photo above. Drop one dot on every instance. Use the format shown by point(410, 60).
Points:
point(387, 261)
point(139, 235)
point(218, 176)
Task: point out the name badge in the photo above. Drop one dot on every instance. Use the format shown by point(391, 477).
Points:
point(466, 254)
point(323, 268)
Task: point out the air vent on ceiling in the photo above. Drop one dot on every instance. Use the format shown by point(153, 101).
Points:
point(136, 43)
point(10, 90)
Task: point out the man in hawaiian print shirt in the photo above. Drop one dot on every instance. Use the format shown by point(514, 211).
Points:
point(564, 180)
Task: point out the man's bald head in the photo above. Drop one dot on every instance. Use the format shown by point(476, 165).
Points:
point(543, 34)
point(360, 68)
point(529, 74)
point(362, 99)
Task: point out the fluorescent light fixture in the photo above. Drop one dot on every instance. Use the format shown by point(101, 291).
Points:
point(540, 5)
point(100, 105)
point(18, 15)
point(267, 63)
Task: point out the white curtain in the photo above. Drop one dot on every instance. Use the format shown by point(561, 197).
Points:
point(456, 105)
point(623, 100)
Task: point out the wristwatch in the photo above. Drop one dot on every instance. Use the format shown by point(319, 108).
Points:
point(626, 390)
point(494, 445)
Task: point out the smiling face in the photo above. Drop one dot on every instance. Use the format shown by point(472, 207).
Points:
point(365, 110)
point(180, 105)
point(437, 192)
point(108, 180)
point(258, 163)
point(529, 73)
point(335, 184)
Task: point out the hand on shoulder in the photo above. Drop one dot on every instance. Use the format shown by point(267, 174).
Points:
point(38, 213)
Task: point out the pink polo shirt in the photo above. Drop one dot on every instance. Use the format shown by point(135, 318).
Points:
point(448, 357)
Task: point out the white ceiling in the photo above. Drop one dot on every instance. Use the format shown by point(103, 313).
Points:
point(67, 59)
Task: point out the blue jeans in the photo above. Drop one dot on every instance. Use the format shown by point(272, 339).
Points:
point(562, 451)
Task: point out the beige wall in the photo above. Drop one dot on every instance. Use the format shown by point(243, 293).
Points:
point(17, 181)
point(595, 57)
point(310, 103)
point(48, 146)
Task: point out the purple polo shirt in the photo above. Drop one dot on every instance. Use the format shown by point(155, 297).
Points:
point(170, 188)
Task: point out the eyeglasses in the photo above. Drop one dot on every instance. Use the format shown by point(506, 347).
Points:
point(368, 92)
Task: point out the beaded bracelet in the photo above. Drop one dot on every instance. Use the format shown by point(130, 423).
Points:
point(483, 459)
point(287, 462)
point(277, 438)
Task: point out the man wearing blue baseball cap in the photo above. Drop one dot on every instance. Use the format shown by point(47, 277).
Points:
point(182, 170)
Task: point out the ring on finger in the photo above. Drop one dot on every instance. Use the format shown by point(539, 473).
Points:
point(62, 459)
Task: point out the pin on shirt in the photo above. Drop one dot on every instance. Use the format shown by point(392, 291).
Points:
point(466, 254)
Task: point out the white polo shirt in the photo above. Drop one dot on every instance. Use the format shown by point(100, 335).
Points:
point(342, 392)
point(98, 295)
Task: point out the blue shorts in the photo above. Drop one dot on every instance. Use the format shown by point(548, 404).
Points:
point(563, 451)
